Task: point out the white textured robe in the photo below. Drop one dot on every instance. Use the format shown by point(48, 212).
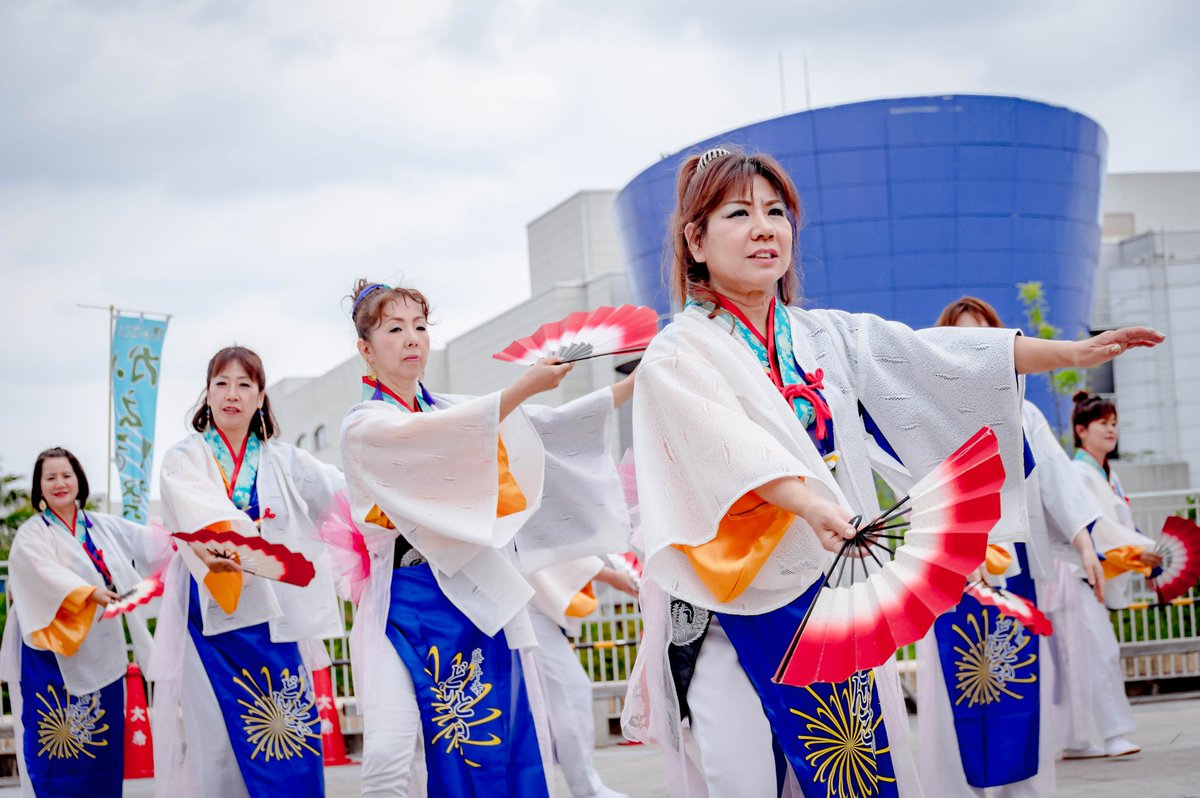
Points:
point(1114, 529)
point(709, 427)
point(298, 489)
point(1091, 688)
point(46, 564)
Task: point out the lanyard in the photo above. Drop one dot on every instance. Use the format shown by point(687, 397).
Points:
point(238, 459)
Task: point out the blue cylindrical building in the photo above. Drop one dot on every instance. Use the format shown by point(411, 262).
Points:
point(910, 203)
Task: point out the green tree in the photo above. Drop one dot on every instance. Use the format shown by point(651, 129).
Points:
point(14, 507)
point(1063, 382)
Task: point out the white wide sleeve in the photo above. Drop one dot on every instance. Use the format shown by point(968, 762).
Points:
point(699, 451)
point(931, 390)
point(583, 508)
point(1114, 528)
point(316, 484)
point(38, 581)
point(435, 475)
point(1065, 500)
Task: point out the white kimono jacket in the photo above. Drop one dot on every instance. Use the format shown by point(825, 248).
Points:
point(709, 427)
point(46, 565)
point(299, 491)
point(1115, 528)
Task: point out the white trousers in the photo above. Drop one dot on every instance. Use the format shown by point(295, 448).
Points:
point(1093, 687)
point(728, 723)
point(393, 761)
point(209, 756)
point(940, 760)
point(568, 698)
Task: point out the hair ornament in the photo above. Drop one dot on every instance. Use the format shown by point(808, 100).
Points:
point(710, 156)
point(363, 295)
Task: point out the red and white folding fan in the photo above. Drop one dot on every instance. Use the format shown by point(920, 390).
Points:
point(628, 564)
point(586, 334)
point(1179, 547)
point(140, 594)
point(1012, 605)
point(257, 556)
point(949, 515)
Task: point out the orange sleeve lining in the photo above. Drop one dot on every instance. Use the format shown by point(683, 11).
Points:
point(746, 536)
point(71, 623)
point(1126, 558)
point(582, 603)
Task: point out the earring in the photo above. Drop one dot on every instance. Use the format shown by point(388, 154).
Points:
point(42, 505)
point(208, 410)
point(262, 423)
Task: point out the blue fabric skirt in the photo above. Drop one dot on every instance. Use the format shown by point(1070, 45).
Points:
point(991, 667)
point(832, 735)
point(74, 745)
point(480, 740)
point(266, 698)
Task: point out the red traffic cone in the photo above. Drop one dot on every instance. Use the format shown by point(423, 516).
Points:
point(139, 743)
point(332, 743)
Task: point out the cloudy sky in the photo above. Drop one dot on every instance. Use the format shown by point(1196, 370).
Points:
point(237, 164)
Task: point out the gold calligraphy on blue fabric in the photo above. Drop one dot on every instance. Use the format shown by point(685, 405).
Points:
point(455, 700)
point(279, 723)
point(136, 359)
point(841, 734)
point(68, 728)
point(991, 669)
point(992, 655)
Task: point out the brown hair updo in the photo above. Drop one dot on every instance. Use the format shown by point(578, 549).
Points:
point(1089, 407)
point(969, 304)
point(368, 301)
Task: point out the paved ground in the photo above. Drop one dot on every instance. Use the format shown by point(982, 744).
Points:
point(1167, 767)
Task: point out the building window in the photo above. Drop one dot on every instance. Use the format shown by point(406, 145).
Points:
point(302, 441)
point(319, 441)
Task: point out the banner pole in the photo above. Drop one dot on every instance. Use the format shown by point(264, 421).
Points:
point(109, 463)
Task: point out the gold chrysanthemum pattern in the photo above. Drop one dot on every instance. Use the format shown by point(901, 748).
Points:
point(991, 659)
point(282, 723)
point(455, 706)
point(841, 739)
point(68, 728)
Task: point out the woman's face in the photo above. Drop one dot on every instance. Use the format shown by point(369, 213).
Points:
point(398, 348)
point(1099, 436)
point(748, 243)
point(60, 485)
point(234, 398)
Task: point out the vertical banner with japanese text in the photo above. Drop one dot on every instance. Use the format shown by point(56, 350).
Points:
point(136, 356)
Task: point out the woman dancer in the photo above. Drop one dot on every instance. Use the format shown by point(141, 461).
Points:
point(1095, 695)
point(439, 487)
point(743, 405)
point(237, 651)
point(63, 664)
point(1007, 740)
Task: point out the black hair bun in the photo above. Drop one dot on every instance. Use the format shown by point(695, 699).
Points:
point(1082, 396)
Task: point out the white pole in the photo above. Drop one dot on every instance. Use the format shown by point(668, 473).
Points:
point(782, 87)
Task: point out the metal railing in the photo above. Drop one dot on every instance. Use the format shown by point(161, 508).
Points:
point(1159, 642)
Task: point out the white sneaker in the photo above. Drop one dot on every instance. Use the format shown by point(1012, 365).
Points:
point(1119, 746)
point(1091, 752)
